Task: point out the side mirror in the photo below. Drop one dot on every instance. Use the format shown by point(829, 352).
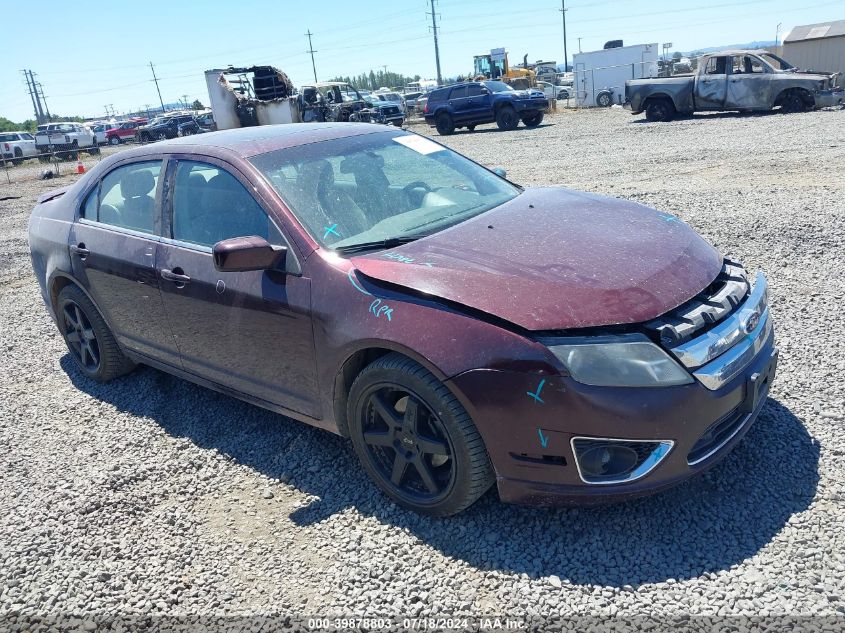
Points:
point(240, 254)
point(500, 172)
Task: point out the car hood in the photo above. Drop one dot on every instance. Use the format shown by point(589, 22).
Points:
point(553, 259)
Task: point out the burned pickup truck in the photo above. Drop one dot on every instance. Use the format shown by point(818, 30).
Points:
point(740, 80)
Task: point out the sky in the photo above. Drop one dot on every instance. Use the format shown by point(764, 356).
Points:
point(99, 52)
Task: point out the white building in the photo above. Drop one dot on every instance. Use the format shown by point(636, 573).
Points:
point(601, 75)
point(819, 47)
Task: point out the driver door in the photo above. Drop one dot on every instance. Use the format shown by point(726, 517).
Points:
point(711, 86)
point(247, 331)
point(749, 84)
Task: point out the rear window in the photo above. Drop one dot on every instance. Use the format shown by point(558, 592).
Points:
point(8, 138)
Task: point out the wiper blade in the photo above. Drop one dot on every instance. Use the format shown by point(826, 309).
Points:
point(388, 242)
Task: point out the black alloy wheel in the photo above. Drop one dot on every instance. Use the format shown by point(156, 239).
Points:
point(80, 336)
point(414, 438)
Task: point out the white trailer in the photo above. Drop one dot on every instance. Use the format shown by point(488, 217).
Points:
point(600, 75)
point(259, 95)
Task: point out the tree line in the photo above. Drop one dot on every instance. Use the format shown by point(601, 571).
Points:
point(376, 80)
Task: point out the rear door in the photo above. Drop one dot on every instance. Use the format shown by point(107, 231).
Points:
point(711, 86)
point(248, 331)
point(749, 84)
point(114, 242)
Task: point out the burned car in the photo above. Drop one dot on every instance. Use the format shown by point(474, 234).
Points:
point(741, 80)
point(460, 329)
point(330, 101)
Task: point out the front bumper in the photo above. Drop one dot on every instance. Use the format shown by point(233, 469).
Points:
point(531, 105)
point(530, 421)
point(829, 98)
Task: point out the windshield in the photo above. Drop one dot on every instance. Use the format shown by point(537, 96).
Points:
point(776, 62)
point(497, 86)
point(380, 186)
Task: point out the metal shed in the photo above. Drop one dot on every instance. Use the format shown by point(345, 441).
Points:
point(817, 47)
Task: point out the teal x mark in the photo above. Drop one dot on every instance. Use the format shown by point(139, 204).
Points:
point(536, 394)
point(330, 230)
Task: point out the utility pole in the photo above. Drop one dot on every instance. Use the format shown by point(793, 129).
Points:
point(312, 51)
point(436, 47)
point(40, 89)
point(31, 95)
point(155, 79)
point(563, 15)
point(579, 44)
point(39, 111)
point(185, 101)
point(777, 33)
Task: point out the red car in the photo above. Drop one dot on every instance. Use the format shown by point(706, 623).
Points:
point(124, 132)
point(460, 329)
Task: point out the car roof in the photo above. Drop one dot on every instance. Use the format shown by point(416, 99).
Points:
point(251, 141)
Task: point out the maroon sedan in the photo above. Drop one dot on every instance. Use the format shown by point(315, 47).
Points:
point(458, 328)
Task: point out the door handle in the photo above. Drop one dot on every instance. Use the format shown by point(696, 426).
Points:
point(176, 275)
point(80, 250)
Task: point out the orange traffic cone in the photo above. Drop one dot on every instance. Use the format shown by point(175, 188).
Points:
point(80, 168)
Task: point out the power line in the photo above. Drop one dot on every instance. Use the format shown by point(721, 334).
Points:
point(312, 51)
point(436, 47)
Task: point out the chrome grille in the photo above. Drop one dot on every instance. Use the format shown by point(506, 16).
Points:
point(705, 310)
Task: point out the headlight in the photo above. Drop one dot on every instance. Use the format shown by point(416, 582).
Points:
point(620, 361)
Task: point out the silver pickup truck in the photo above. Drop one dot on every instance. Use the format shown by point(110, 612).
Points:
point(734, 80)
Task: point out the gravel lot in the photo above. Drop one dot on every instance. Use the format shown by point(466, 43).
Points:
point(152, 496)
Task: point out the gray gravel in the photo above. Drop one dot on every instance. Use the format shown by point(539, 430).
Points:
point(152, 496)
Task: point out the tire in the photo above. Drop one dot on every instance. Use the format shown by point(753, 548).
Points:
point(445, 124)
point(533, 120)
point(660, 110)
point(114, 140)
point(471, 128)
point(456, 464)
point(91, 345)
point(161, 136)
point(18, 159)
point(604, 99)
point(792, 103)
point(506, 118)
point(94, 149)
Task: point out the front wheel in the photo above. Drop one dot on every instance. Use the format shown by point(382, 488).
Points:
point(533, 120)
point(18, 159)
point(445, 124)
point(90, 341)
point(506, 118)
point(792, 103)
point(415, 440)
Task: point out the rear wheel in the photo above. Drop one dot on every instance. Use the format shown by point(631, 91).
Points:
point(533, 120)
point(92, 345)
point(660, 110)
point(18, 159)
point(415, 440)
point(506, 118)
point(471, 128)
point(445, 124)
point(604, 99)
point(94, 149)
point(161, 136)
point(114, 140)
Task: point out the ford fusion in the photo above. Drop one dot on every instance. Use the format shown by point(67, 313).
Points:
point(459, 329)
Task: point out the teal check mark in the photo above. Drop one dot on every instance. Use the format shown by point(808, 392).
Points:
point(536, 394)
point(544, 441)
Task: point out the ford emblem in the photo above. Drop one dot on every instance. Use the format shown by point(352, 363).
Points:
point(751, 322)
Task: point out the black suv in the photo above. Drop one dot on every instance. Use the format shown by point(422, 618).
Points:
point(476, 102)
point(161, 128)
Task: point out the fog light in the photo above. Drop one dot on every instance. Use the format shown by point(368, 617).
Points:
point(606, 461)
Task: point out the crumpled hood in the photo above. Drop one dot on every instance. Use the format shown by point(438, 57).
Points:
point(557, 259)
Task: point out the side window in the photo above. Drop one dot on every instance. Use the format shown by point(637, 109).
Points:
point(716, 66)
point(474, 90)
point(458, 93)
point(210, 204)
point(127, 196)
point(89, 207)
